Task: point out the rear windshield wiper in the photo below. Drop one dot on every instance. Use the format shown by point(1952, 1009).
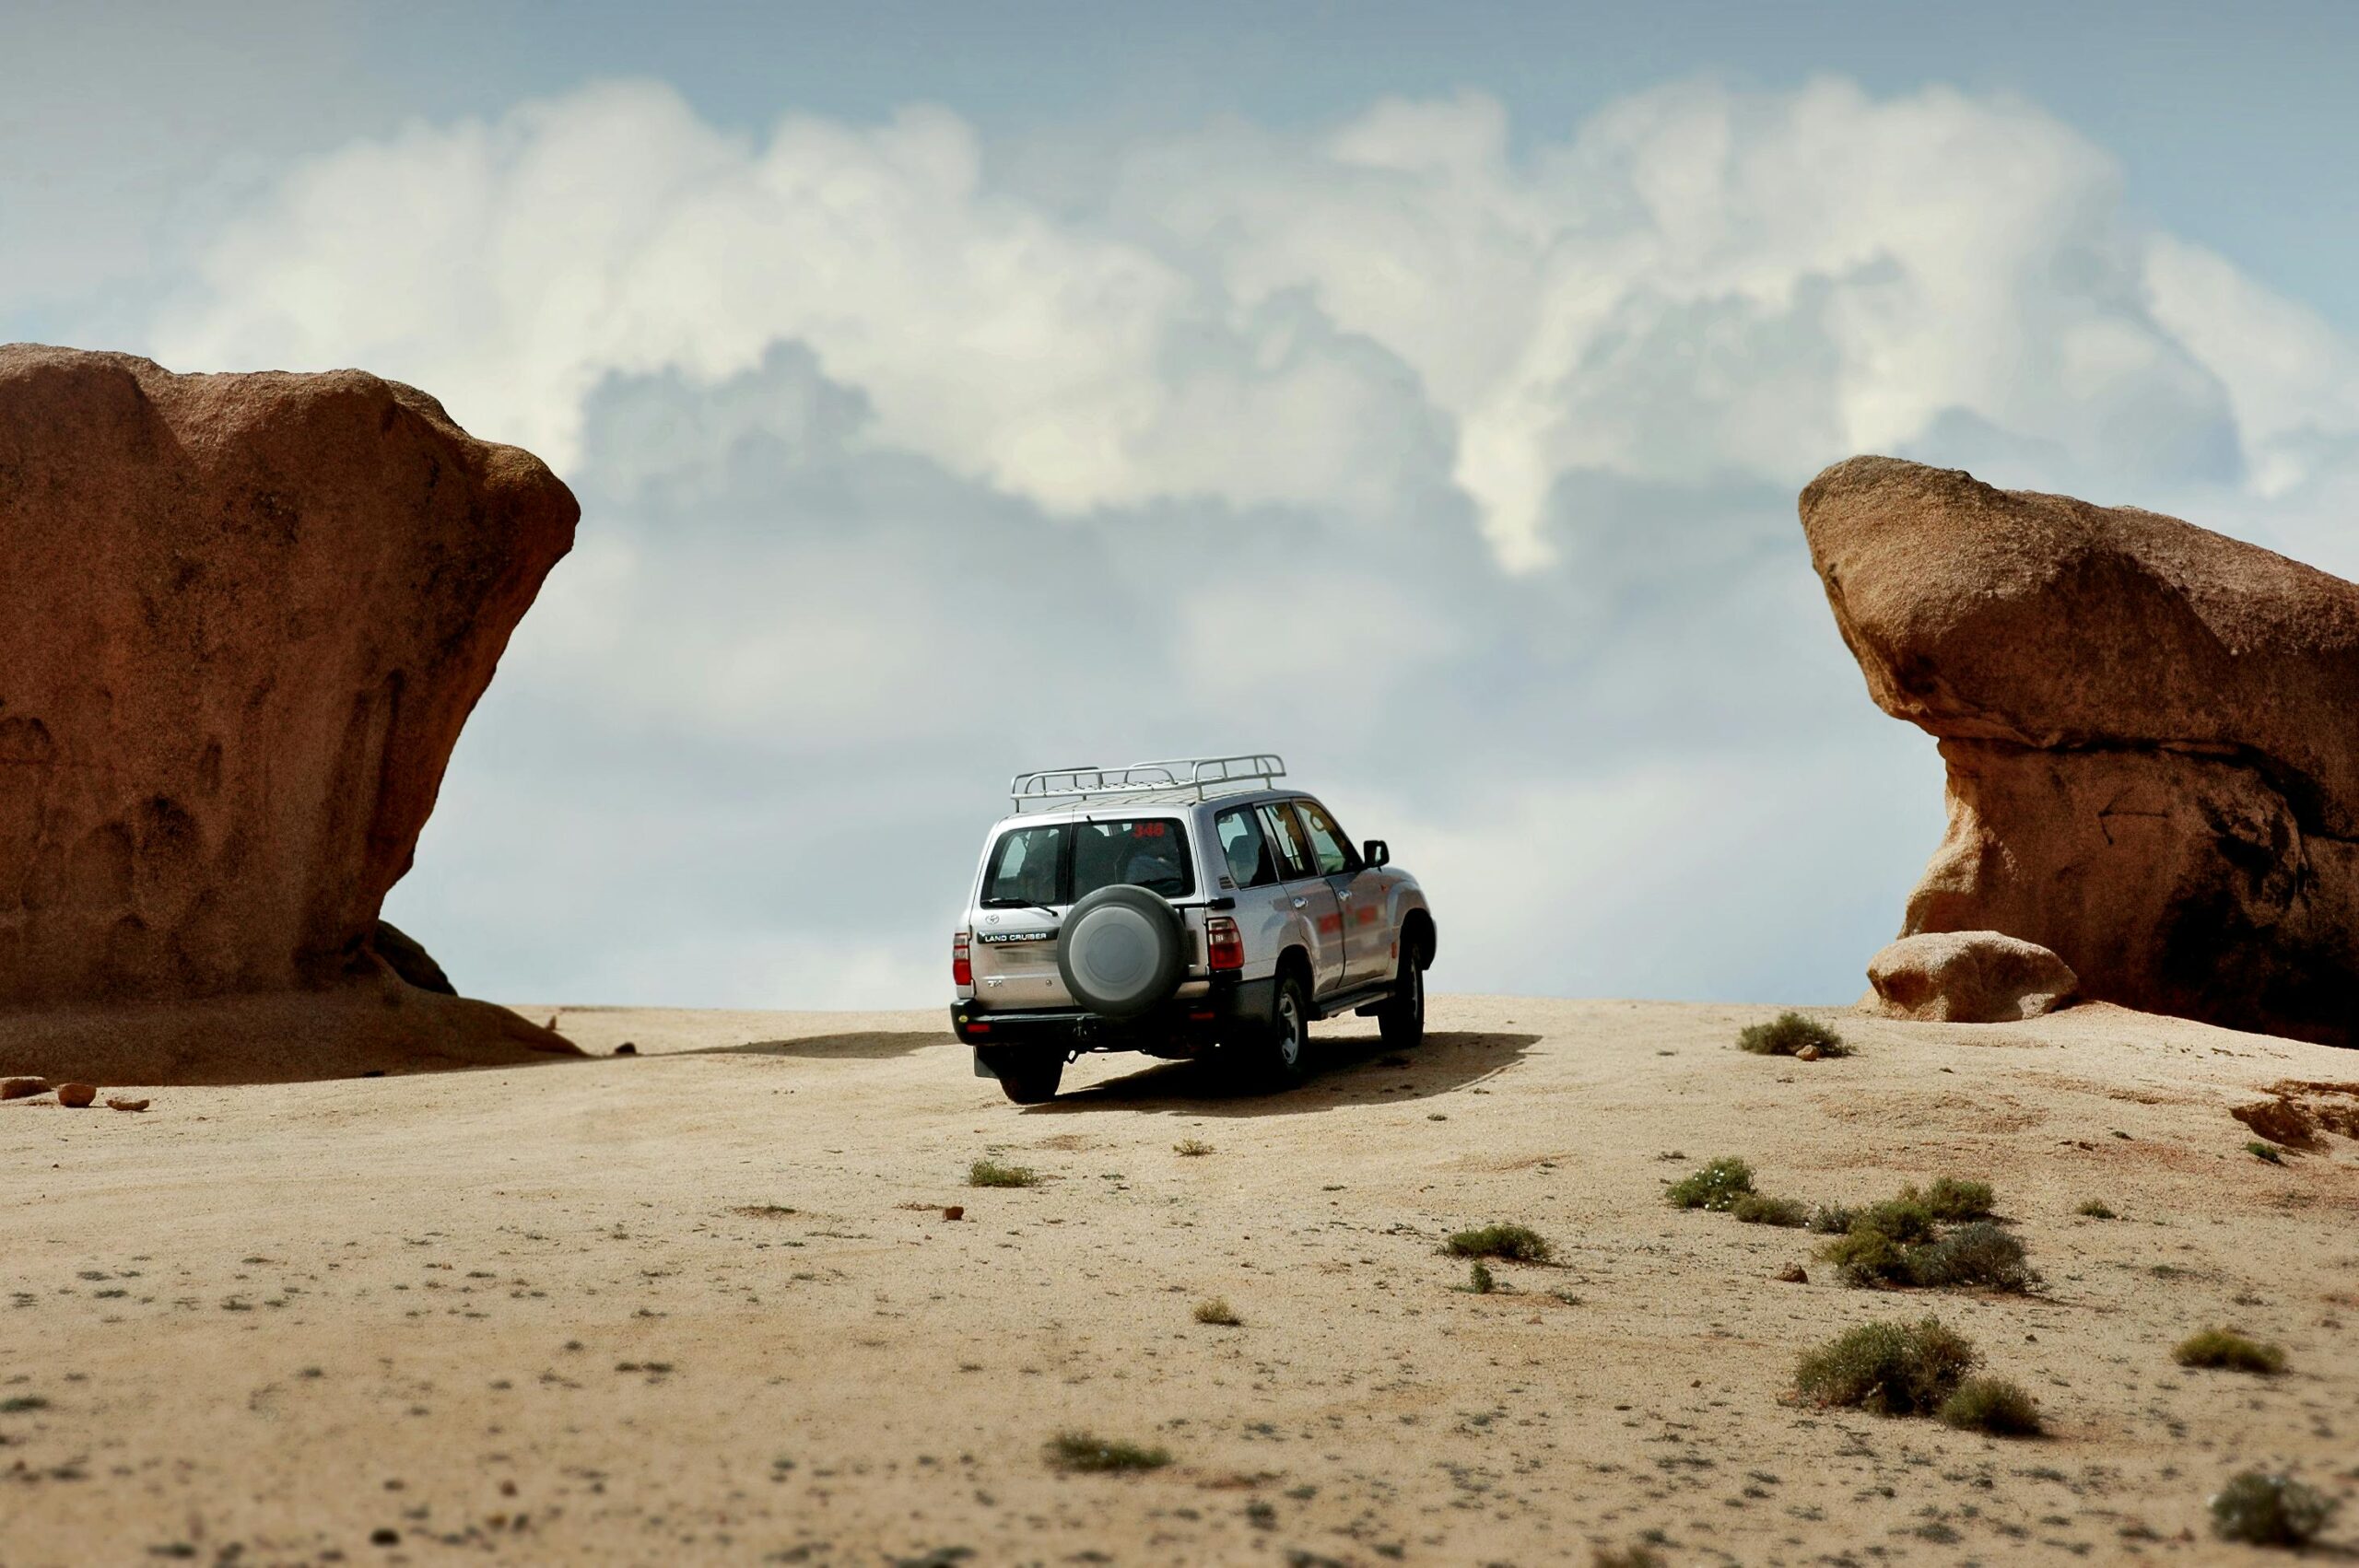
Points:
point(1019, 904)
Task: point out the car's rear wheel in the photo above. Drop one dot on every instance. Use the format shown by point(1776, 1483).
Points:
point(1027, 1076)
point(1277, 1056)
point(1401, 1020)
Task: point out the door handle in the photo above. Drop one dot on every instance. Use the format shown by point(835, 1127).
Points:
point(1301, 903)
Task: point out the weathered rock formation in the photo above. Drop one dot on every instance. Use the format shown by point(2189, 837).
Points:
point(2151, 734)
point(1967, 977)
point(242, 618)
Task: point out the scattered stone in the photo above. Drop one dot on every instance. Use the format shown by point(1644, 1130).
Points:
point(119, 1104)
point(954, 1211)
point(23, 1088)
point(2147, 732)
point(76, 1094)
point(1967, 977)
point(1793, 1274)
point(627, 1048)
point(384, 1537)
point(1808, 1053)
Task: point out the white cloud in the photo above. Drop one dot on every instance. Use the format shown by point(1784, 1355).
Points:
point(1461, 475)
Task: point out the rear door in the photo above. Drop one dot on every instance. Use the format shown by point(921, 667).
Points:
point(1307, 894)
point(1361, 894)
point(1014, 948)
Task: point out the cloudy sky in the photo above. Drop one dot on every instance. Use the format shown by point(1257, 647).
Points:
point(1421, 391)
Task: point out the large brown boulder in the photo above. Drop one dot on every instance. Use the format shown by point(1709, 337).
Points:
point(242, 618)
point(2153, 768)
point(1967, 977)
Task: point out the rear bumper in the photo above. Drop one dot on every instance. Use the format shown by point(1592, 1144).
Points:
point(1183, 1027)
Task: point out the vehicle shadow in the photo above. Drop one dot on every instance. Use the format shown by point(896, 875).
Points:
point(1356, 1070)
point(877, 1045)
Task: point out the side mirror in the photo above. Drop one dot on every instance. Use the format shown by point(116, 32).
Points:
point(1376, 852)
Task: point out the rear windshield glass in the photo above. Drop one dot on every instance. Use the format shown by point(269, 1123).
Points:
point(1059, 862)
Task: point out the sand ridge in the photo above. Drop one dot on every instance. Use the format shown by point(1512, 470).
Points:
point(701, 1304)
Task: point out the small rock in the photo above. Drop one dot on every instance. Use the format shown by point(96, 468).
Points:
point(23, 1088)
point(627, 1048)
point(1793, 1274)
point(381, 1536)
point(119, 1103)
point(955, 1212)
point(1808, 1053)
point(76, 1094)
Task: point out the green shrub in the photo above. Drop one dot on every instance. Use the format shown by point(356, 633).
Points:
point(1479, 1280)
point(1517, 1244)
point(1218, 1313)
point(2260, 1151)
point(1887, 1368)
point(1639, 1556)
point(1833, 1220)
point(1717, 1185)
point(1083, 1451)
point(1992, 1405)
point(1868, 1256)
point(1755, 1210)
point(990, 1173)
point(2095, 1209)
point(2268, 1510)
point(1949, 1198)
point(1904, 1219)
point(1978, 1253)
point(1788, 1034)
point(2226, 1348)
point(1193, 1147)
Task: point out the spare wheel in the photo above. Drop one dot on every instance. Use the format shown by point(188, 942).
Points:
point(1119, 951)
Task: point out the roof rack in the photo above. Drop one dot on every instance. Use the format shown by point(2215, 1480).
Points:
point(1175, 779)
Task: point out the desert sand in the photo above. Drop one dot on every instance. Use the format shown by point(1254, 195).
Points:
point(702, 1304)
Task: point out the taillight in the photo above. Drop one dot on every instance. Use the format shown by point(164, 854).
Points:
point(962, 967)
point(1222, 945)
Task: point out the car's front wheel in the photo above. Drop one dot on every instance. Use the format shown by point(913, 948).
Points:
point(1029, 1077)
point(1401, 1020)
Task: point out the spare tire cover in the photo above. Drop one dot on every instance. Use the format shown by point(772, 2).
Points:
point(1119, 952)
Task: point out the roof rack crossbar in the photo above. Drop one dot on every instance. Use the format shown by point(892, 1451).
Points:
point(1182, 778)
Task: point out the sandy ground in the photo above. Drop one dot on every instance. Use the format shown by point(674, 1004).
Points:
point(702, 1305)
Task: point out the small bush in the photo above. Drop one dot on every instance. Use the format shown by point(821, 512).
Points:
point(1085, 1452)
point(1892, 1369)
point(1949, 1198)
point(2260, 1151)
point(1868, 1256)
point(1717, 1185)
point(2268, 1510)
point(1191, 1147)
point(1904, 1219)
point(1479, 1280)
point(990, 1173)
point(2226, 1348)
point(1517, 1244)
point(2095, 1209)
point(1638, 1556)
point(1218, 1313)
point(1992, 1405)
point(1979, 1254)
point(1788, 1034)
point(1832, 1220)
point(1753, 1209)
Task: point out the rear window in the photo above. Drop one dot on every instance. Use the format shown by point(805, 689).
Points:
point(1059, 862)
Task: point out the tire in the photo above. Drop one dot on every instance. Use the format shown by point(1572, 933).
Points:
point(1027, 1076)
point(1119, 951)
point(1402, 1022)
point(1278, 1055)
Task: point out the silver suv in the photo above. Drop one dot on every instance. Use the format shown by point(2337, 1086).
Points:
point(1183, 909)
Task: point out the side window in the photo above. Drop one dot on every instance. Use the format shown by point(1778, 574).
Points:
point(1334, 851)
point(1285, 840)
point(1245, 848)
point(1025, 866)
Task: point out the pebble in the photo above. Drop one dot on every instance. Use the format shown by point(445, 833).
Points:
point(1793, 1274)
point(954, 1211)
point(119, 1104)
point(76, 1094)
point(21, 1088)
point(1808, 1053)
point(627, 1048)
